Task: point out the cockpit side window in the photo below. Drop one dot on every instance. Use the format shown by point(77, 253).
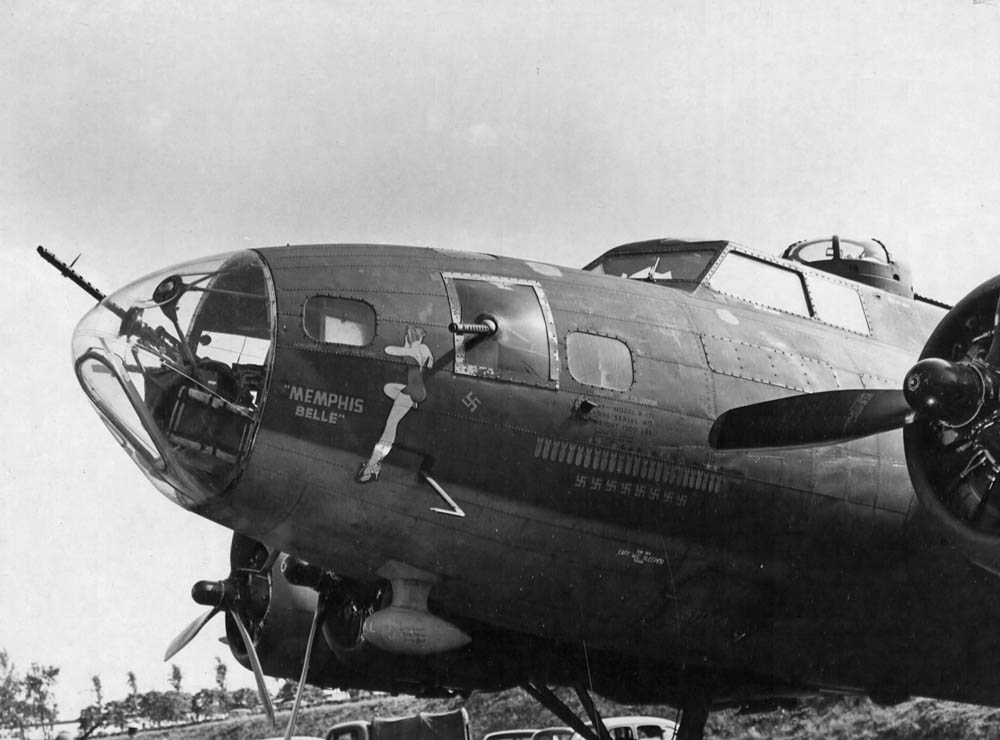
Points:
point(838, 304)
point(599, 361)
point(523, 348)
point(334, 320)
point(760, 282)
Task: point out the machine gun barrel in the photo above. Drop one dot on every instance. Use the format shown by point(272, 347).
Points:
point(69, 272)
point(486, 326)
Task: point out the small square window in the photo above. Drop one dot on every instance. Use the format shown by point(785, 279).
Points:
point(339, 321)
point(600, 361)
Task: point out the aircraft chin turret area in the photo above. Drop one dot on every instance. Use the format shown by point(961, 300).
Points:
point(689, 472)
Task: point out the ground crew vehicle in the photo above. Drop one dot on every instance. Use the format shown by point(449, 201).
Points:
point(453, 725)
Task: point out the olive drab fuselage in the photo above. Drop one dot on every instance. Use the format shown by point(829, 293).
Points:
point(555, 475)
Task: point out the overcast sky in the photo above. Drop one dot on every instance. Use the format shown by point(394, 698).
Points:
point(145, 134)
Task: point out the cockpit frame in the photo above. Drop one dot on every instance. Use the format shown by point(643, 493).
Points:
point(186, 409)
point(136, 446)
point(648, 256)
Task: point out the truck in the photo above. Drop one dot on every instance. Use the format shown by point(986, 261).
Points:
point(453, 725)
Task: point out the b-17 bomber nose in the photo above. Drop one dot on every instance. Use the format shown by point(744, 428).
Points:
point(176, 365)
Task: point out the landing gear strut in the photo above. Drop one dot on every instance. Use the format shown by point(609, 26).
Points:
point(543, 694)
point(694, 712)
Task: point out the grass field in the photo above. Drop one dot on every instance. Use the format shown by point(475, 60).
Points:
point(834, 718)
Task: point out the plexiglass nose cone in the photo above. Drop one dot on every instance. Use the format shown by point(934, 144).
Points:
point(177, 365)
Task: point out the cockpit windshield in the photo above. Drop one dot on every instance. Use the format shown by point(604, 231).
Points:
point(655, 266)
point(176, 364)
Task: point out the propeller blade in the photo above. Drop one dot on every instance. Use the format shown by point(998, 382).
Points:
point(811, 419)
point(188, 633)
point(258, 672)
point(317, 617)
point(993, 356)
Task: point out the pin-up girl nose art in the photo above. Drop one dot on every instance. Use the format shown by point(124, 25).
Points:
point(405, 396)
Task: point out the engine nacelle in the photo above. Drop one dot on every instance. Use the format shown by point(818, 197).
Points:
point(280, 635)
point(493, 660)
point(281, 618)
point(954, 463)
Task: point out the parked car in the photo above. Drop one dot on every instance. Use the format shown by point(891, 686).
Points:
point(523, 734)
point(453, 725)
point(637, 728)
point(553, 733)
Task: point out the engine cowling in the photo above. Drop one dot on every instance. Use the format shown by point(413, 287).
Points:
point(954, 464)
point(281, 629)
point(279, 617)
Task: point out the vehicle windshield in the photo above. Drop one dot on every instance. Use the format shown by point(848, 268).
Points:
point(654, 266)
point(176, 364)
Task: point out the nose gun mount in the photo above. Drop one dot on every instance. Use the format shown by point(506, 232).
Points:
point(177, 364)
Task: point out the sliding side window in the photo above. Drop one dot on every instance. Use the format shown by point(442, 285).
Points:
point(523, 349)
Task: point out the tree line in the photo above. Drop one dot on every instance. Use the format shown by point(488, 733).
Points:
point(159, 708)
point(27, 701)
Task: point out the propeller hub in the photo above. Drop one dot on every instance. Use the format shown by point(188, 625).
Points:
point(949, 392)
point(214, 593)
point(244, 595)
